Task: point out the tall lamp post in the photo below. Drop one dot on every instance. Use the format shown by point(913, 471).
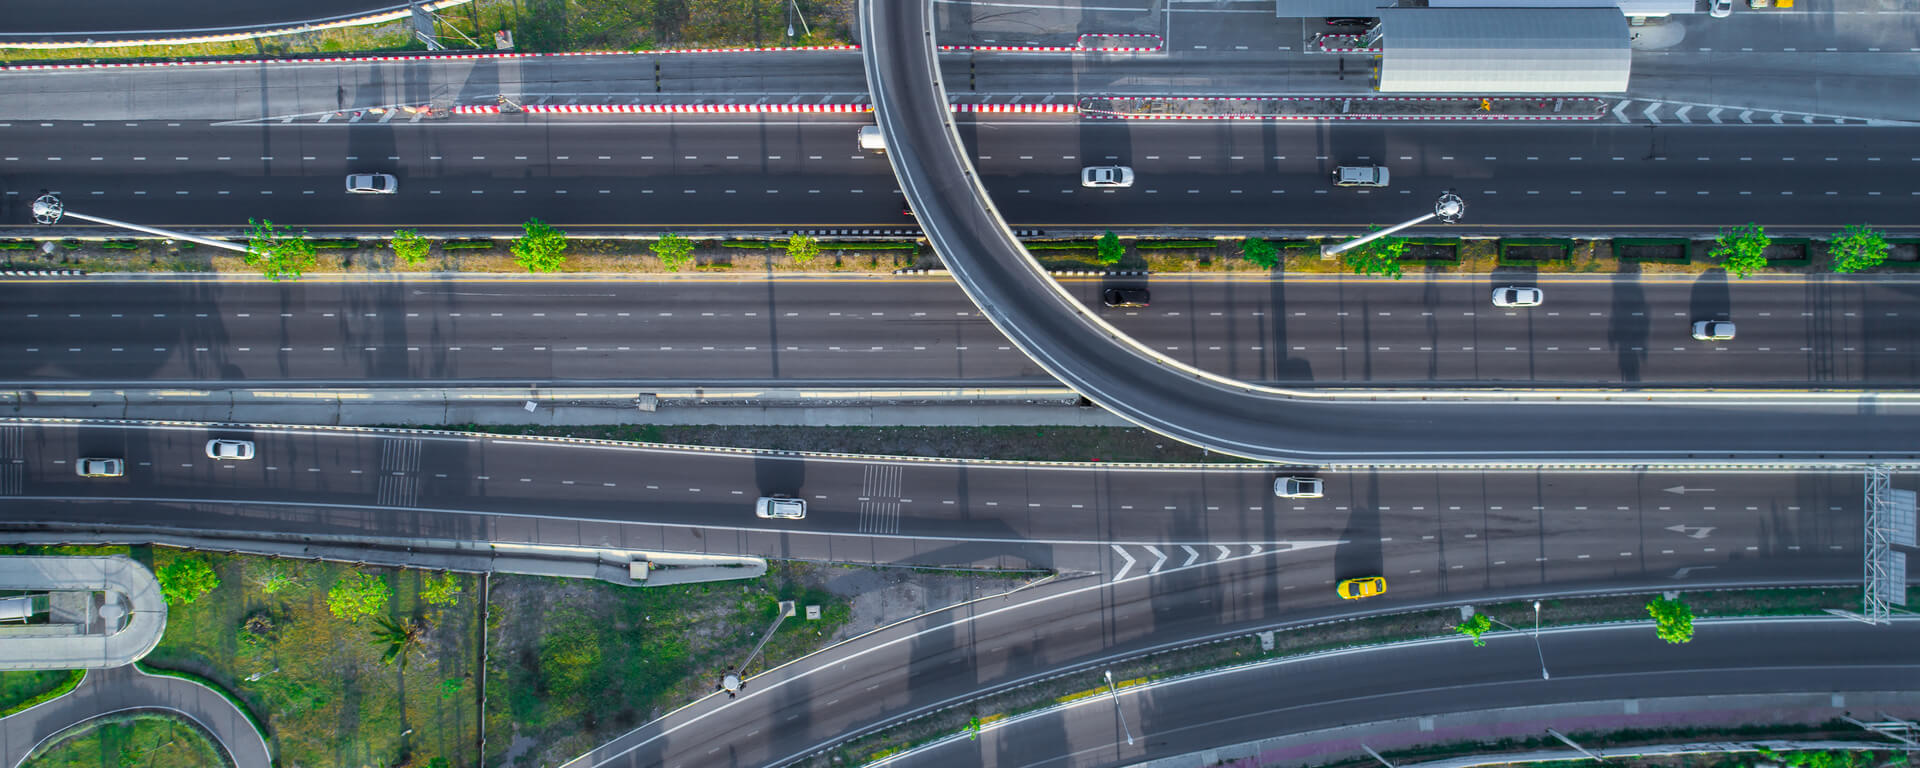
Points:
point(47, 209)
point(1449, 208)
point(1115, 693)
point(1536, 641)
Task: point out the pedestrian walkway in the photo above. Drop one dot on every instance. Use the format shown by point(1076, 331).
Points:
point(102, 612)
point(123, 689)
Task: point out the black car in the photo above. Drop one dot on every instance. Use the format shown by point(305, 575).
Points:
point(1351, 21)
point(1125, 297)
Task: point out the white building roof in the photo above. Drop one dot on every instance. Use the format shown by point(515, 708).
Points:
point(1502, 50)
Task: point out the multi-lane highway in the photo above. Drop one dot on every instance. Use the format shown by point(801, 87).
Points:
point(604, 173)
point(1339, 694)
point(1294, 329)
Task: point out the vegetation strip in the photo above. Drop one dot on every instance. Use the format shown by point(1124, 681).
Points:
point(966, 718)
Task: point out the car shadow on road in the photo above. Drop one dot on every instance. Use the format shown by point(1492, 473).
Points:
point(1628, 322)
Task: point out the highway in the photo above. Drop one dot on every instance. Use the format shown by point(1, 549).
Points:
point(1596, 664)
point(1152, 556)
point(608, 173)
point(1085, 353)
point(1295, 329)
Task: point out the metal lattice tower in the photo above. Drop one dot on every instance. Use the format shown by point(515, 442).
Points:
point(1889, 520)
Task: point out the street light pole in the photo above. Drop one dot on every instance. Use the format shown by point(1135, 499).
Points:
point(1115, 693)
point(1449, 208)
point(1536, 641)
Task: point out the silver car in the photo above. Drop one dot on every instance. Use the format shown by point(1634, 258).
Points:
point(100, 467)
point(237, 450)
point(1106, 176)
point(1713, 330)
point(1297, 487)
point(372, 184)
point(780, 508)
point(1517, 296)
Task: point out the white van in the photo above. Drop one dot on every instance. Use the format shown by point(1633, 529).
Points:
point(1360, 176)
point(870, 139)
point(780, 508)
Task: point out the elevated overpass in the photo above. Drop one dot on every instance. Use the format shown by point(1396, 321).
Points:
point(1072, 343)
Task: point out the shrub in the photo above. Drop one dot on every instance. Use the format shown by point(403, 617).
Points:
point(278, 255)
point(1110, 249)
point(1380, 257)
point(357, 595)
point(1474, 627)
point(1857, 248)
point(1673, 619)
point(802, 248)
point(441, 589)
point(674, 251)
point(185, 578)
point(1259, 253)
point(409, 247)
point(541, 249)
point(1742, 250)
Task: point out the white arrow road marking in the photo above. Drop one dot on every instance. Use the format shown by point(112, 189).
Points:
point(1157, 563)
point(1651, 109)
point(1223, 552)
point(1620, 110)
point(1698, 531)
point(1776, 119)
point(1746, 116)
point(1682, 114)
point(1715, 115)
point(1682, 573)
point(1123, 569)
point(1807, 119)
point(1192, 555)
point(1256, 550)
point(1683, 490)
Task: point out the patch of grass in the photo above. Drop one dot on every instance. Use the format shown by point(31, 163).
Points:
point(755, 244)
point(266, 635)
point(65, 549)
point(455, 245)
point(17, 245)
point(335, 243)
point(143, 739)
point(576, 662)
point(1059, 245)
point(885, 245)
point(24, 690)
point(124, 245)
point(1153, 244)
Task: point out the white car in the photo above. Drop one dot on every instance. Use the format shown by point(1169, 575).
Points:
point(1106, 176)
point(1517, 296)
point(1721, 9)
point(1297, 487)
point(100, 467)
point(372, 184)
point(780, 508)
point(237, 450)
point(1713, 330)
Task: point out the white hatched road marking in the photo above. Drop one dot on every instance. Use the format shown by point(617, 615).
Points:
point(880, 499)
point(399, 472)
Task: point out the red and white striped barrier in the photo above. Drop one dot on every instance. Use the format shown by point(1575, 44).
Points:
point(1331, 118)
point(767, 49)
point(1322, 42)
point(1079, 46)
point(649, 109)
point(476, 109)
point(1056, 109)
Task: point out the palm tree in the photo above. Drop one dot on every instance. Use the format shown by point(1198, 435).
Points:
point(398, 637)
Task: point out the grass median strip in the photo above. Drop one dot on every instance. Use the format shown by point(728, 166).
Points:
point(1100, 444)
point(1310, 638)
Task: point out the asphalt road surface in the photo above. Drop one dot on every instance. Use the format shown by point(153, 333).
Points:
point(127, 19)
point(1294, 329)
point(1603, 663)
point(608, 173)
point(1443, 531)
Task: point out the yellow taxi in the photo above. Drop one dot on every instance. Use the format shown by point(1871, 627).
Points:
point(1365, 586)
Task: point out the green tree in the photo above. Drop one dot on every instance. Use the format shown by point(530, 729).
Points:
point(1259, 252)
point(1673, 619)
point(451, 687)
point(185, 578)
point(278, 254)
point(409, 246)
point(358, 595)
point(1380, 257)
point(1110, 249)
point(398, 638)
point(441, 589)
point(1742, 250)
point(541, 249)
point(674, 251)
point(1857, 248)
point(1474, 627)
point(802, 248)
